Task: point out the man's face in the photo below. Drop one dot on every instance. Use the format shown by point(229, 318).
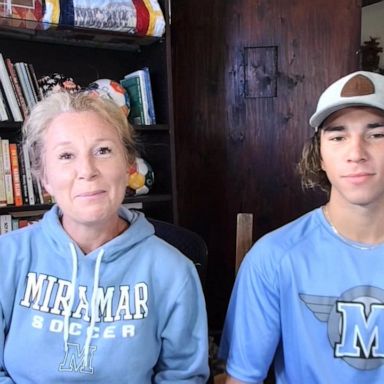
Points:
point(352, 153)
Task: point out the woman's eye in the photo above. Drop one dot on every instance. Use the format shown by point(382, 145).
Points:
point(377, 135)
point(65, 156)
point(103, 150)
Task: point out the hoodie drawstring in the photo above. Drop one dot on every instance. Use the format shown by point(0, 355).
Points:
point(67, 312)
point(94, 307)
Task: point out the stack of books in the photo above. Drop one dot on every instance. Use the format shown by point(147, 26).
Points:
point(19, 89)
point(17, 186)
point(139, 89)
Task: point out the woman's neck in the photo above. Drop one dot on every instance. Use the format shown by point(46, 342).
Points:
point(89, 237)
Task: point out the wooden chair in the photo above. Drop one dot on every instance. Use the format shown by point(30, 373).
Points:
point(244, 241)
point(244, 236)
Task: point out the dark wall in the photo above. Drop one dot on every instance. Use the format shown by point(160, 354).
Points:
point(246, 77)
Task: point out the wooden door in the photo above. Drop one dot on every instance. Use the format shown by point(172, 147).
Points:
point(247, 75)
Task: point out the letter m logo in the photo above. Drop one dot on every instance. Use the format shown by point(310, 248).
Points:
point(361, 334)
point(74, 360)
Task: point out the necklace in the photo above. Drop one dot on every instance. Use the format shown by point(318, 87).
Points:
point(351, 243)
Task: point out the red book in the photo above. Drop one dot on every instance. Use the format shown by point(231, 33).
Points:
point(17, 194)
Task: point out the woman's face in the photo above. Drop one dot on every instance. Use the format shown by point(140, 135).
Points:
point(85, 169)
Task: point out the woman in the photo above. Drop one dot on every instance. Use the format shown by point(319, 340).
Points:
point(89, 293)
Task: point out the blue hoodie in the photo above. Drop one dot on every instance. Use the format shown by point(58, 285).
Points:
point(131, 311)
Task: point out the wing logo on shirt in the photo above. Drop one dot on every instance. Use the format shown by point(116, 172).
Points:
point(355, 324)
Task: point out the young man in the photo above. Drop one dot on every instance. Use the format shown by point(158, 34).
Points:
point(310, 295)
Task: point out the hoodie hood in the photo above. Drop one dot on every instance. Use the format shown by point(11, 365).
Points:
point(139, 229)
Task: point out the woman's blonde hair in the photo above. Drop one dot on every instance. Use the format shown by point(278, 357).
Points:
point(45, 111)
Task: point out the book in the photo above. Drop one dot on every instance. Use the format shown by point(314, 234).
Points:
point(9, 93)
point(5, 223)
point(7, 171)
point(16, 87)
point(4, 109)
point(30, 82)
point(144, 89)
point(35, 82)
point(15, 224)
point(25, 85)
point(17, 194)
point(133, 87)
point(37, 191)
point(3, 196)
point(28, 172)
point(151, 105)
point(23, 174)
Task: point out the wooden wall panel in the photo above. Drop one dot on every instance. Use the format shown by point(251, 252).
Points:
point(237, 144)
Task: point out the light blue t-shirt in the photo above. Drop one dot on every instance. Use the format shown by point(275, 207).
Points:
point(313, 301)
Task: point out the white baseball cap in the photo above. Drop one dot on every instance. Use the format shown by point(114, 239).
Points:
point(360, 88)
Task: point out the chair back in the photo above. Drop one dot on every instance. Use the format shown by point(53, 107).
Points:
point(244, 237)
point(186, 241)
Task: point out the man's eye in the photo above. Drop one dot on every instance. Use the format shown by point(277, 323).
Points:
point(336, 138)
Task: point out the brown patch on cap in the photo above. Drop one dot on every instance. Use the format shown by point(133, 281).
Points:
point(358, 85)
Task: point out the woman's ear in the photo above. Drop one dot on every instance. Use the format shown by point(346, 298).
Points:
point(44, 182)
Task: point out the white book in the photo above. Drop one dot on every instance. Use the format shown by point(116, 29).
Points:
point(3, 110)
point(5, 224)
point(3, 196)
point(25, 86)
point(8, 90)
point(151, 105)
point(31, 194)
point(7, 171)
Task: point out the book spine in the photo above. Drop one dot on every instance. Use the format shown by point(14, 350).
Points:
point(7, 171)
point(15, 224)
point(5, 224)
point(18, 197)
point(5, 113)
point(35, 82)
point(37, 191)
point(20, 70)
point(3, 196)
point(30, 83)
point(16, 87)
point(23, 174)
point(145, 97)
point(151, 104)
point(4, 77)
point(27, 162)
point(132, 86)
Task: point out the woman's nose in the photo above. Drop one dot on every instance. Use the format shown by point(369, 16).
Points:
point(87, 167)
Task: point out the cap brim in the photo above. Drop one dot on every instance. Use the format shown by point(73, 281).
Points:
point(318, 117)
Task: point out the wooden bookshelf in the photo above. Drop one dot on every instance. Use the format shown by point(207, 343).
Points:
point(87, 55)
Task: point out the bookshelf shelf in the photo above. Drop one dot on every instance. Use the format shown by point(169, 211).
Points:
point(155, 198)
point(153, 127)
point(82, 37)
